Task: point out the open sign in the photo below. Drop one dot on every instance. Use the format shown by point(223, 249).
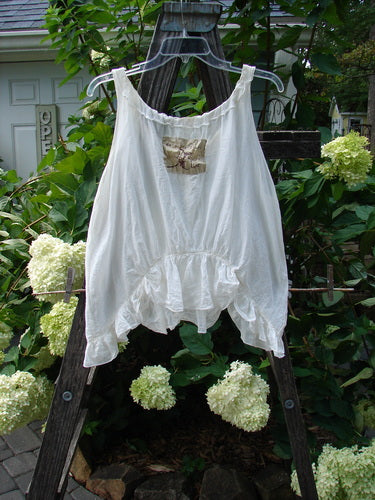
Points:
point(46, 128)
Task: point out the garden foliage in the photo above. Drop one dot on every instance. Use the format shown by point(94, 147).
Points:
point(328, 219)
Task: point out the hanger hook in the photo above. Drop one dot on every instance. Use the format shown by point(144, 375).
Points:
point(184, 32)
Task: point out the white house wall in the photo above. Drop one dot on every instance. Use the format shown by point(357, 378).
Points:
point(23, 86)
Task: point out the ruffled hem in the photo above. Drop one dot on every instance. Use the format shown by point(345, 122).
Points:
point(150, 113)
point(192, 287)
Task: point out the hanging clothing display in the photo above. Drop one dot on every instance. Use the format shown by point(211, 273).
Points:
point(185, 223)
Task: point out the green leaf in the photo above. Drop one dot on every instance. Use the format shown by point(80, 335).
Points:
point(8, 370)
point(66, 181)
point(184, 359)
point(298, 75)
point(363, 212)
point(265, 40)
point(47, 160)
point(314, 184)
point(371, 220)
point(86, 192)
point(305, 115)
point(15, 244)
point(12, 355)
point(102, 133)
point(337, 189)
point(336, 297)
point(325, 134)
point(370, 302)
point(302, 372)
point(352, 282)
point(289, 37)
point(347, 233)
point(197, 374)
point(327, 63)
point(101, 17)
point(59, 212)
point(358, 270)
point(73, 163)
point(197, 343)
point(362, 375)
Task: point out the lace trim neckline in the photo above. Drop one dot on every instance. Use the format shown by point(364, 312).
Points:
point(244, 80)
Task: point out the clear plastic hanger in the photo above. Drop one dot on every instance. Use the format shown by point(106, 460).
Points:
point(184, 47)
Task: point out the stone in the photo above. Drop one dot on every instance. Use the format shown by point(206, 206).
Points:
point(24, 462)
point(23, 439)
point(115, 481)
point(82, 494)
point(3, 444)
point(23, 481)
point(6, 453)
point(6, 482)
point(80, 468)
point(273, 483)
point(221, 483)
point(168, 486)
point(12, 495)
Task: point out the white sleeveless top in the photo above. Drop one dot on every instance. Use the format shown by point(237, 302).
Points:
point(185, 223)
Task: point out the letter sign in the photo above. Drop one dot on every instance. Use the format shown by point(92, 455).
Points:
point(46, 129)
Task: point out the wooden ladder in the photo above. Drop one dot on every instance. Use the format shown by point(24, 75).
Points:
point(69, 405)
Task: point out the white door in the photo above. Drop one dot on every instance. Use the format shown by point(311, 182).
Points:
point(22, 87)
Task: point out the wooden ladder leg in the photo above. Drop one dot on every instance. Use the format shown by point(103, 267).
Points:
point(66, 416)
point(283, 371)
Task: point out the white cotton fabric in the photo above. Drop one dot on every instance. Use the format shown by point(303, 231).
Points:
point(164, 246)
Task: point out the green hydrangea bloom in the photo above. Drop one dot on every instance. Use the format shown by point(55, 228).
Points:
point(122, 346)
point(152, 389)
point(48, 266)
point(44, 359)
point(366, 408)
point(350, 161)
point(5, 335)
point(343, 474)
point(23, 398)
point(240, 398)
point(56, 325)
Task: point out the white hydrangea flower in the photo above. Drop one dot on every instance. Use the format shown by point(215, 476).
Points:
point(240, 398)
point(345, 474)
point(350, 161)
point(152, 389)
point(49, 264)
point(100, 58)
point(23, 398)
point(56, 325)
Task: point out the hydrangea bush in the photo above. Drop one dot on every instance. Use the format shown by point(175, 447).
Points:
point(366, 408)
point(56, 325)
point(5, 336)
point(152, 389)
point(49, 264)
point(23, 398)
point(343, 474)
point(241, 398)
point(350, 161)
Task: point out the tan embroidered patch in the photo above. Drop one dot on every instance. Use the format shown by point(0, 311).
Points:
point(184, 156)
